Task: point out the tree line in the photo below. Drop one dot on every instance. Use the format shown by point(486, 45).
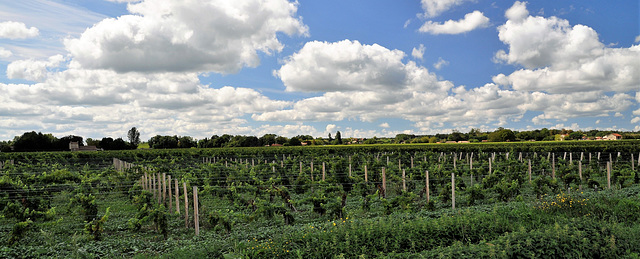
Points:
point(32, 141)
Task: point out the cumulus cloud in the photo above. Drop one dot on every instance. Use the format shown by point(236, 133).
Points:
point(352, 77)
point(33, 70)
point(637, 39)
point(351, 66)
point(517, 12)
point(471, 21)
point(560, 58)
point(330, 128)
point(163, 103)
point(635, 120)
point(384, 125)
point(172, 36)
point(17, 30)
point(441, 63)
point(5, 53)
point(433, 8)
point(418, 53)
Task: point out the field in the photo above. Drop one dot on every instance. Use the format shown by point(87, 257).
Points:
point(554, 199)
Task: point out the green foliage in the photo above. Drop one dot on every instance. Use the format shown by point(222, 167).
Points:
point(19, 230)
point(225, 220)
point(87, 205)
point(96, 226)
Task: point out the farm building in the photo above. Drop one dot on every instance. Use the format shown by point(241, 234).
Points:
point(74, 146)
point(613, 136)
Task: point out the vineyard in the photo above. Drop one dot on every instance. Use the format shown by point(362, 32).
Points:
point(555, 199)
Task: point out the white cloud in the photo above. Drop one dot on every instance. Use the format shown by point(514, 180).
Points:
point(203, 36)
point(471, 21)
point(353, 79)
point(559, 58)
point(384, 125)
point(441, 63)
point(5, 53)
point(17, 30)
point(635, 120)
point(103, 102)
point(517, 12)
point(636, 112)
point(419, 52)
point(433, 8)
point(124, 1)
point(33, 70)
point(637, 39)
point(618, 114)
point(350, 66)
point(597, 121)
point(330, 128)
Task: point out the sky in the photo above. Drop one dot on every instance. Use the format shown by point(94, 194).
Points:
point(363, 67)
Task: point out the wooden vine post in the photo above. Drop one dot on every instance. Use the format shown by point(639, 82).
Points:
point(177, 197)
point(553, 166)
point(186, 205)
point(153, 185)
point(323, 170)
point(427, 183)
point(146, 181)
point(453, 190)
point(365, 174)
point(384, 183)
point(608, 175)
point(196, 217)
point(164, 187)
point(404, 182)
point(529, 170)
point(580, 173)
point(471, 168)
point(169, 191)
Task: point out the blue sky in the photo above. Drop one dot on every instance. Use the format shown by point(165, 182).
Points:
point(365, 68)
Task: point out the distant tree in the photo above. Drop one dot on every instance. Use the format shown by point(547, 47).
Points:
point(330, 139)
point(134, 136)
point(294, 142)
point(186, 142)
point(338, 140)
point(5, 146)
point(106, 143)
point(222, 141)
point(32, 141)
point(281, 140)
point(576, 135)
point(456, 136)
point(93, 142)
point(163, 142)
point(267, 139)
point(502, 134)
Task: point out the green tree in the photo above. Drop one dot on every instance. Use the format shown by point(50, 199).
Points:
point(501, 135)
point(268, 139)
point(338, 140)
point(134, 136)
